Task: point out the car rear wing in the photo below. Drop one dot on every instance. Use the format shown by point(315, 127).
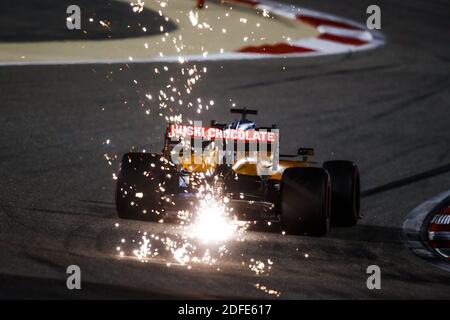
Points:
point(226, 139)
point(218, 131)
point(244, 112)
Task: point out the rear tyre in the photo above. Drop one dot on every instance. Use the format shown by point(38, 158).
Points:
point(141, 185)
point(305, 201)
point(345, 192)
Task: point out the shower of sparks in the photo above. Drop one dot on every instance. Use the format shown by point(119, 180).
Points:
point(202, 233)
point(105, 24)
point(267, 290)
point(212, 222)
point(193, 17)
point(206, 231)
point(137, 7)
point(259, 267)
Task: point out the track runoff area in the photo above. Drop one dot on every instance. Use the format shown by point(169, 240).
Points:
point(203, 30)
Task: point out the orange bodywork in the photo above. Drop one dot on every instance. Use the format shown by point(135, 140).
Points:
point(246, 166)
point(251, 168)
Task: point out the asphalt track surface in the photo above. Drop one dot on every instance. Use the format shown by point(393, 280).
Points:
point(124, 23)
point(386, 109)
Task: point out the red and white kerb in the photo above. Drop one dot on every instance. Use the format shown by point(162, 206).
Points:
point(336, 35)
point(439, 233)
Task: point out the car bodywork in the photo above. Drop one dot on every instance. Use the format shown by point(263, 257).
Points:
point(251, 182)
point(239, 164)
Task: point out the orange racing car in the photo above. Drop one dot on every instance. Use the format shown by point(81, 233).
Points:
point(241, 163)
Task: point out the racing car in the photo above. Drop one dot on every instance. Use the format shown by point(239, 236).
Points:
point(304, 196)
